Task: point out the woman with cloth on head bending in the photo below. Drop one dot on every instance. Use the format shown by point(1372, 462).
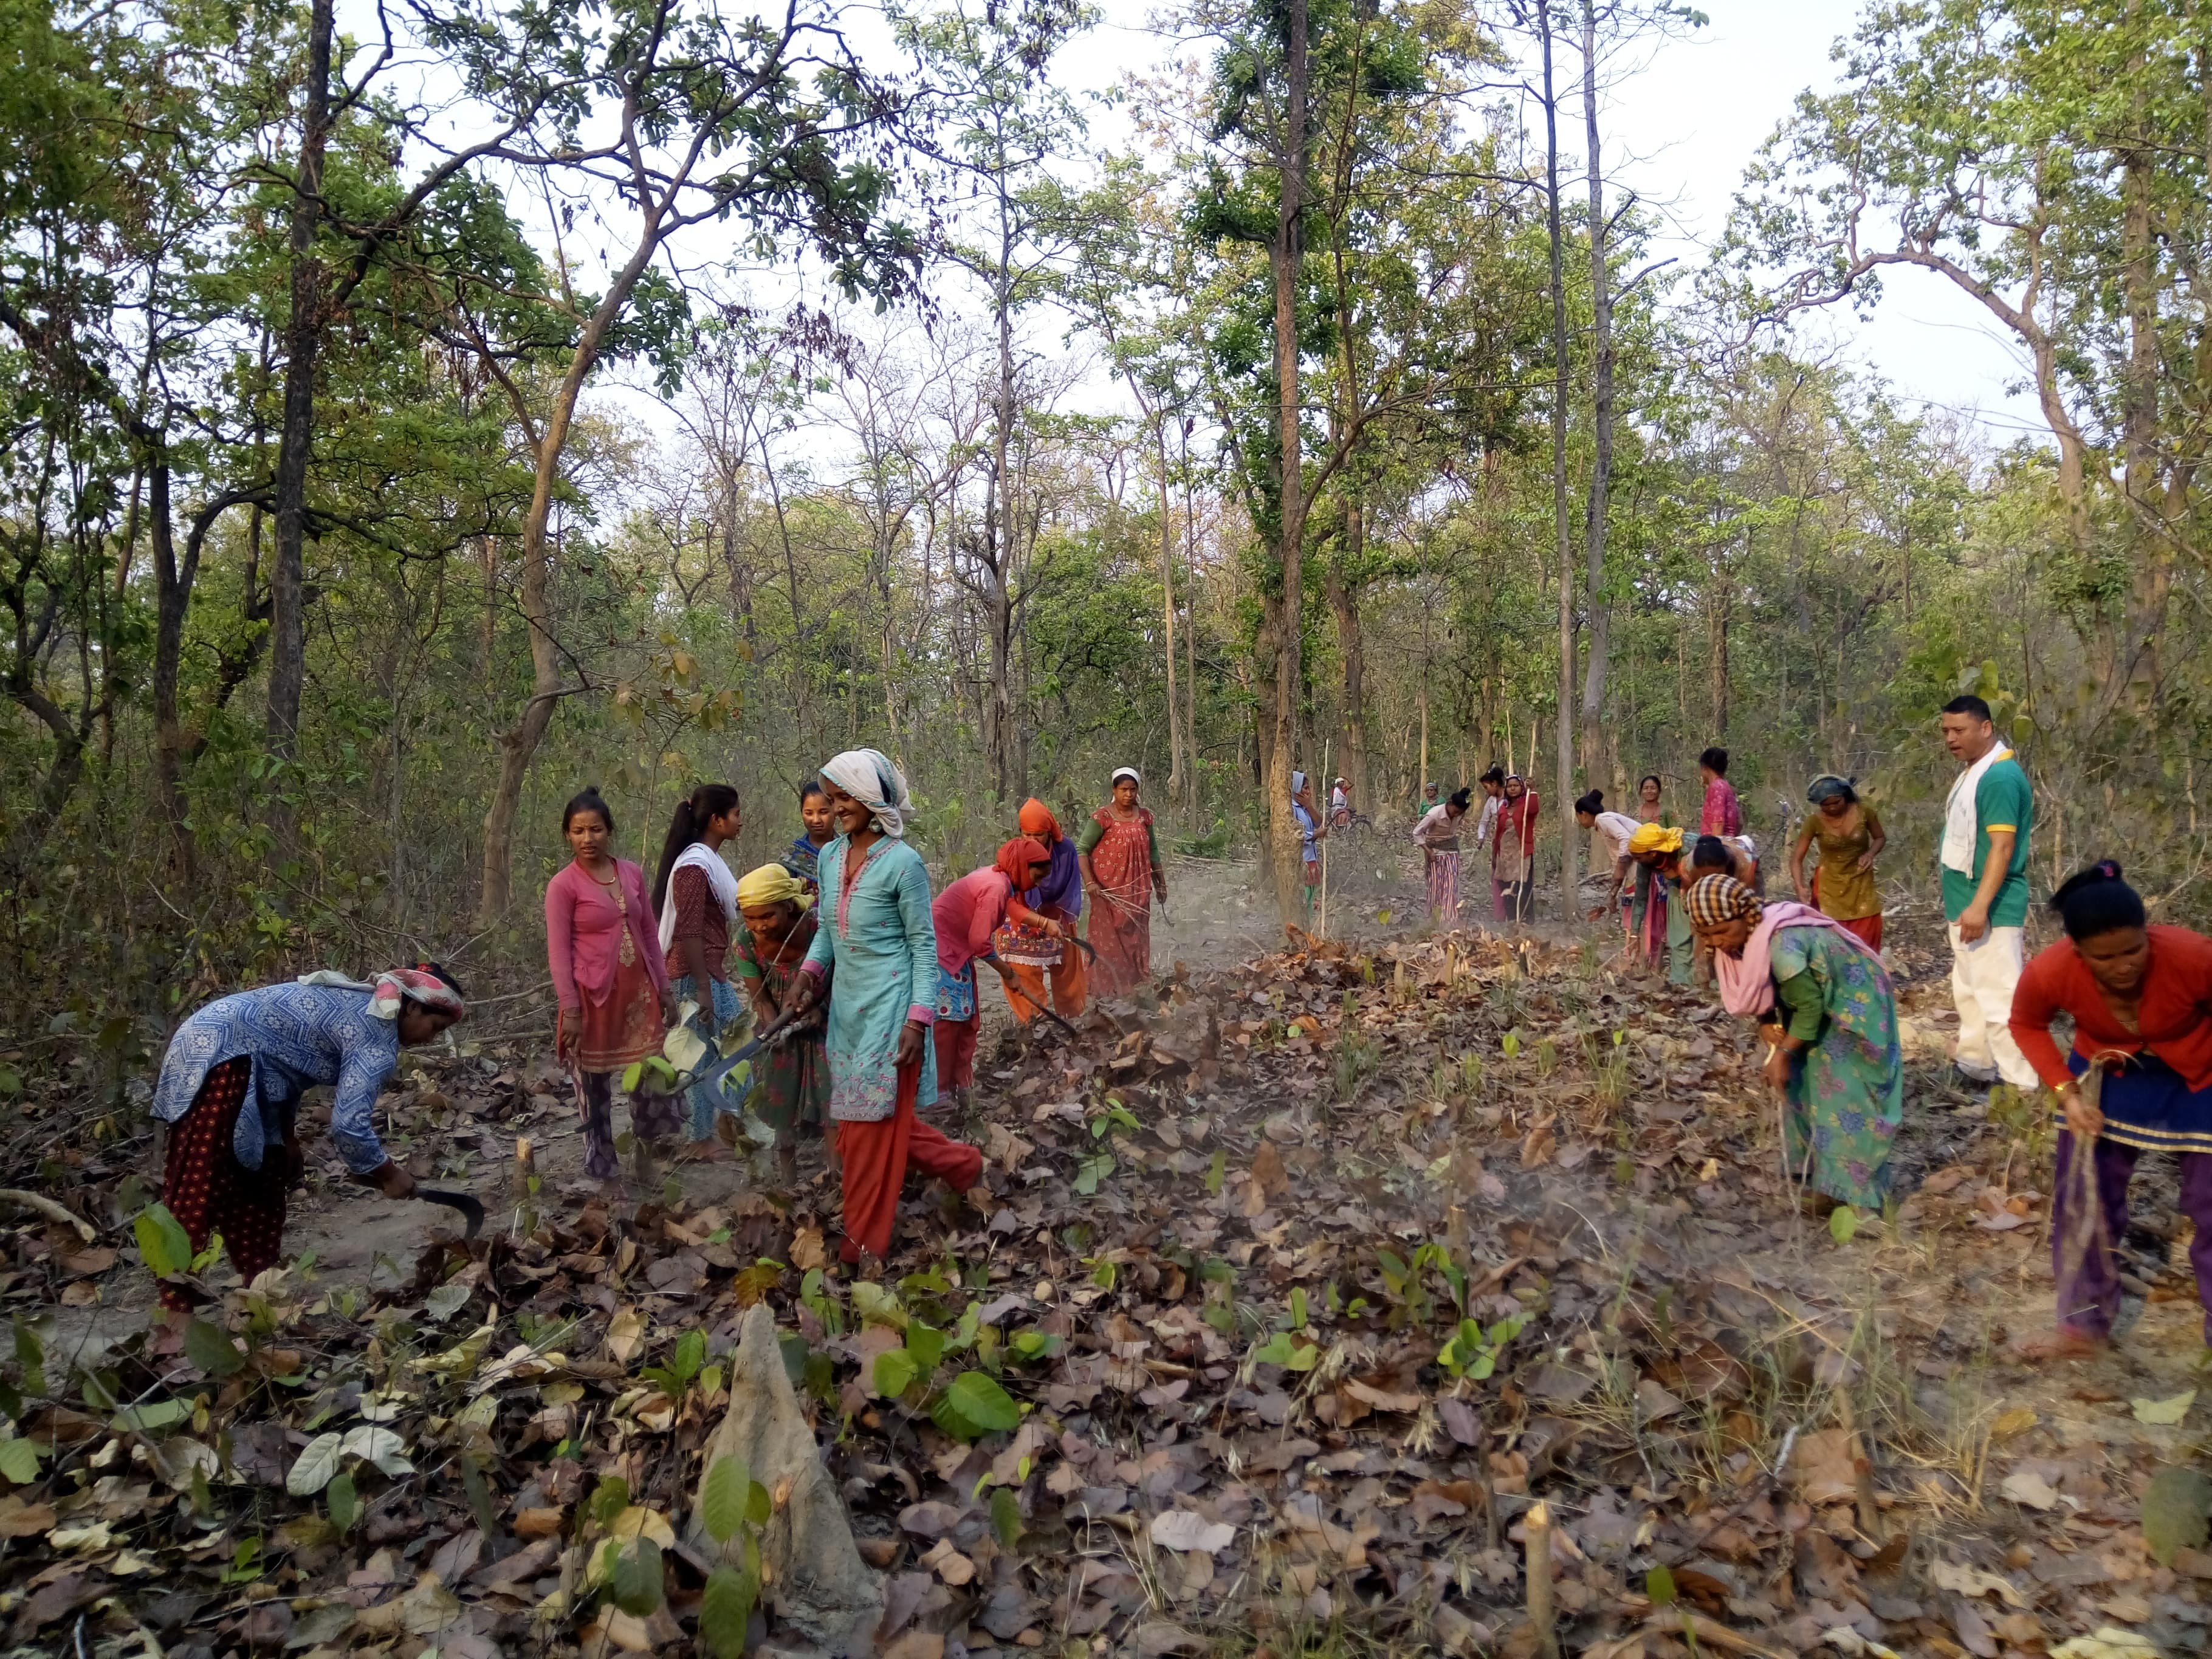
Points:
point(1658, 920)
point(791, 1077)
point(874, 956)
point(1828, 1015)
point(230, 1090)
point(965, 916)
point(2141, 1000)
point(1437, 837)
point(1057, 898)
point(1122, 876)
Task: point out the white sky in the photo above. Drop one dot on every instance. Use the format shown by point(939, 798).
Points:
point(1682, 124)
point(1680, 131)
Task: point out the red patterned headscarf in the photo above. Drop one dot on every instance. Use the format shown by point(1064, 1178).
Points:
point(1015, 857)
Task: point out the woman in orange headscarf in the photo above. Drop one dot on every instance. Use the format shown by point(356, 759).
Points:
point(966, 915)
point(1058, 897)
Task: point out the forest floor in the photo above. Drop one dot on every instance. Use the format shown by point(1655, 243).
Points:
point(1306, 1276)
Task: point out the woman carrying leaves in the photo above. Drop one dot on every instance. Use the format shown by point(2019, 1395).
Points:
point(874, 956)
point(791, 1076)
point(1828, 1016)
point(611, 981)
point(1122, 874)
point(2141, 1000)
point(230, 1090)
point(696, 897)
point(966, 916)
point(1850, 838)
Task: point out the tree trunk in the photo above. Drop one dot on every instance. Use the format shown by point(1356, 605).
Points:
point(1168, 609)
point(1602, 417)
point(1284, 261)
point(1190, 636)
point(1344, 601)
point(518, 747)
point(1716, 653)
point(303, 335)
point(172, 600)
point(2136, 662)
point(1565, 551)
point(999, 527)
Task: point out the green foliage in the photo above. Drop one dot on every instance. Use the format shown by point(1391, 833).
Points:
point(635, 1583)
point(2176, 1505)
point(675, 1377)
point(733, 1500)
point(727, 1609)
point(340, 1501)
point(162, 1245)
point(1472, 1352)
point(974, 1405)
point(210, 1348)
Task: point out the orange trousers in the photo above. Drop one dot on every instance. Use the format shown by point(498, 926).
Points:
point(1070, 986)
point(877, 1157)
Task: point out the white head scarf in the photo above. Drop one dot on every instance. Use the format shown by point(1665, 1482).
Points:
point(869, 777)
point(1128, 772)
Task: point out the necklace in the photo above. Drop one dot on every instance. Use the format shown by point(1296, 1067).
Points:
point(626, 952)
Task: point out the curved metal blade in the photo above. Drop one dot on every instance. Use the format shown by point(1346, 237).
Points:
point(470, 1207)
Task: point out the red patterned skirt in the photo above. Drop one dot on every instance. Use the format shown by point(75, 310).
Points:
point(210, 1191)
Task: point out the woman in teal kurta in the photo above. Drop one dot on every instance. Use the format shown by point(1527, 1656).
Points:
point(879, 945)
point(877, 935)
point(1829, 1016)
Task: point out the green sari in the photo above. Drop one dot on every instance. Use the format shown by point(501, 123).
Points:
point(1846, 1092)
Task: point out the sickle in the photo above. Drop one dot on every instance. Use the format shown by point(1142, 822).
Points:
point(470, 1207)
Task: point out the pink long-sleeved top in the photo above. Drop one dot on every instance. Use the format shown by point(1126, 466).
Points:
point(968, 912)
point(583, 933)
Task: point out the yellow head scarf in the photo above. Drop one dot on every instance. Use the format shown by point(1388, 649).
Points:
point(1651, 838)
point(771, 884)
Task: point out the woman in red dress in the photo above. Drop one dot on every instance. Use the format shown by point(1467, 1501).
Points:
point(1122, 874)
point(604, 952)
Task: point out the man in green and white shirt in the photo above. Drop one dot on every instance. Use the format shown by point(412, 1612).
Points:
point(1986, 822)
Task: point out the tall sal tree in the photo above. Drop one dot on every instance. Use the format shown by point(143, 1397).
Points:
point(685, 116)
point(2050, 163)
point(1305, 98)
point(1011, 224)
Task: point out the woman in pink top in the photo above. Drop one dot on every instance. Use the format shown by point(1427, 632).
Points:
point(965, 914)
point(604, 950)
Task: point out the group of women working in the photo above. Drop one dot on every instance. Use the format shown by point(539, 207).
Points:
point(2138, 1077)
point(1506, 826)
point(1653, 863)
point(852, 986)
point(872, 993)
point(856, 982)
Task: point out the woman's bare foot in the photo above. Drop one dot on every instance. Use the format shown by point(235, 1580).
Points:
point(2060, 1342)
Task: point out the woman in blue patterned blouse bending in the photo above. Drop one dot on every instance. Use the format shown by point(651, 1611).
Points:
point(230, 1090)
